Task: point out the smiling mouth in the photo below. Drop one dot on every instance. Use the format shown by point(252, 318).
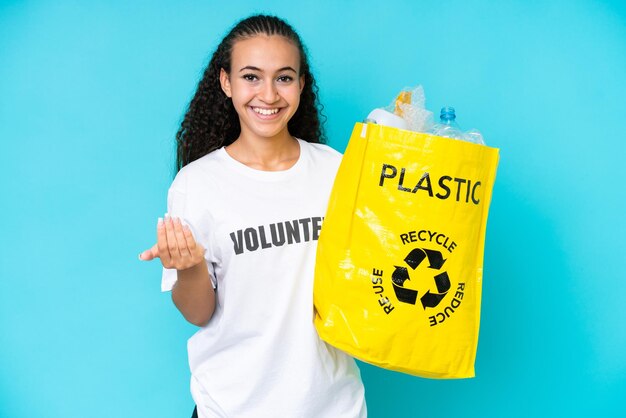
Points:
point(265, 112)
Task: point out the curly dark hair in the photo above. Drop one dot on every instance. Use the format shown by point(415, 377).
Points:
point(211, 120)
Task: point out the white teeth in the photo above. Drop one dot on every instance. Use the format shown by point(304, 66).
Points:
point(265, 112)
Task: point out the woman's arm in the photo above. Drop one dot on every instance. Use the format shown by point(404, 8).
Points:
point(193, 294)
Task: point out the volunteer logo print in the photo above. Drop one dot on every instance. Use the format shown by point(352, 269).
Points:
point(414, 259)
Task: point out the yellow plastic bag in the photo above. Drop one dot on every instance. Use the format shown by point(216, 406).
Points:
point(400, 256)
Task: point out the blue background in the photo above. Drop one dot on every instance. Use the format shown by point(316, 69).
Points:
point(91, 95)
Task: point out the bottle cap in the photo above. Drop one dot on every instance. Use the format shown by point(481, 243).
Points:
point(447, 113)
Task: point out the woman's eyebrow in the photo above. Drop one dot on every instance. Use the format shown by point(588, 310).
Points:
point(253, 68)
point(250, 67)
point(287, 69)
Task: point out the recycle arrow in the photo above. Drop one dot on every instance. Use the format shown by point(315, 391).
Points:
point(417, 255)
point(435, 259)
point(431, 300)
point(399, 276)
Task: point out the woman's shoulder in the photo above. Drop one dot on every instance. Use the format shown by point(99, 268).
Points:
point(322, 151)
point(200, 170)
point(323, 159)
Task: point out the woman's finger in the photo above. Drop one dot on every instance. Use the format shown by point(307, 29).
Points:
point(191, 242)
point(150, 254)
point(172, 245)
point(180, 238)
point(163, 249)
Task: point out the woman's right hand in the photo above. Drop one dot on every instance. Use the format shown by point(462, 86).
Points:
point(176, 246)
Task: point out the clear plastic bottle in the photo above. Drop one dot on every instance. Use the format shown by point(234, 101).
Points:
point(449, 128)
point(447, 125)
point(474, 135)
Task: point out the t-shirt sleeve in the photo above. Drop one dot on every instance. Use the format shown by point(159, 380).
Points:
point(180, 204)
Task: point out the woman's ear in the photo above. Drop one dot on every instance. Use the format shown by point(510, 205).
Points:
point(301, 83)
point(225, 82)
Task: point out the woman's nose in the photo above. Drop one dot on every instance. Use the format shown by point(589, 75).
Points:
point(269, 93)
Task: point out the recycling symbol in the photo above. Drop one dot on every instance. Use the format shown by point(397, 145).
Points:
point(413, 260)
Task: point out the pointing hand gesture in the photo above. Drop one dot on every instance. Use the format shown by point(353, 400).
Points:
point(176, 246)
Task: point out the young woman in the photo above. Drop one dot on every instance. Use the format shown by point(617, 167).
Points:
point(238, 246)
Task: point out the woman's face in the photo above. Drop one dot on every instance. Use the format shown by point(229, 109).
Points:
point(264, 85)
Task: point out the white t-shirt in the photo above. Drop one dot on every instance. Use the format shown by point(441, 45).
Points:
point(259, 355)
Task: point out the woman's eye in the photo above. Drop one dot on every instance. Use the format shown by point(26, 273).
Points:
point(250, 77)
point(285, 79)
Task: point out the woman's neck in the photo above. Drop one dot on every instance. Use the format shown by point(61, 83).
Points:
point(267, 154)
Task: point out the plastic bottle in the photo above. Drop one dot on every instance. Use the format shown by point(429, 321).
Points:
point(449, 128)
point(383, 117)
point(447, 125)
point(474, 135)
